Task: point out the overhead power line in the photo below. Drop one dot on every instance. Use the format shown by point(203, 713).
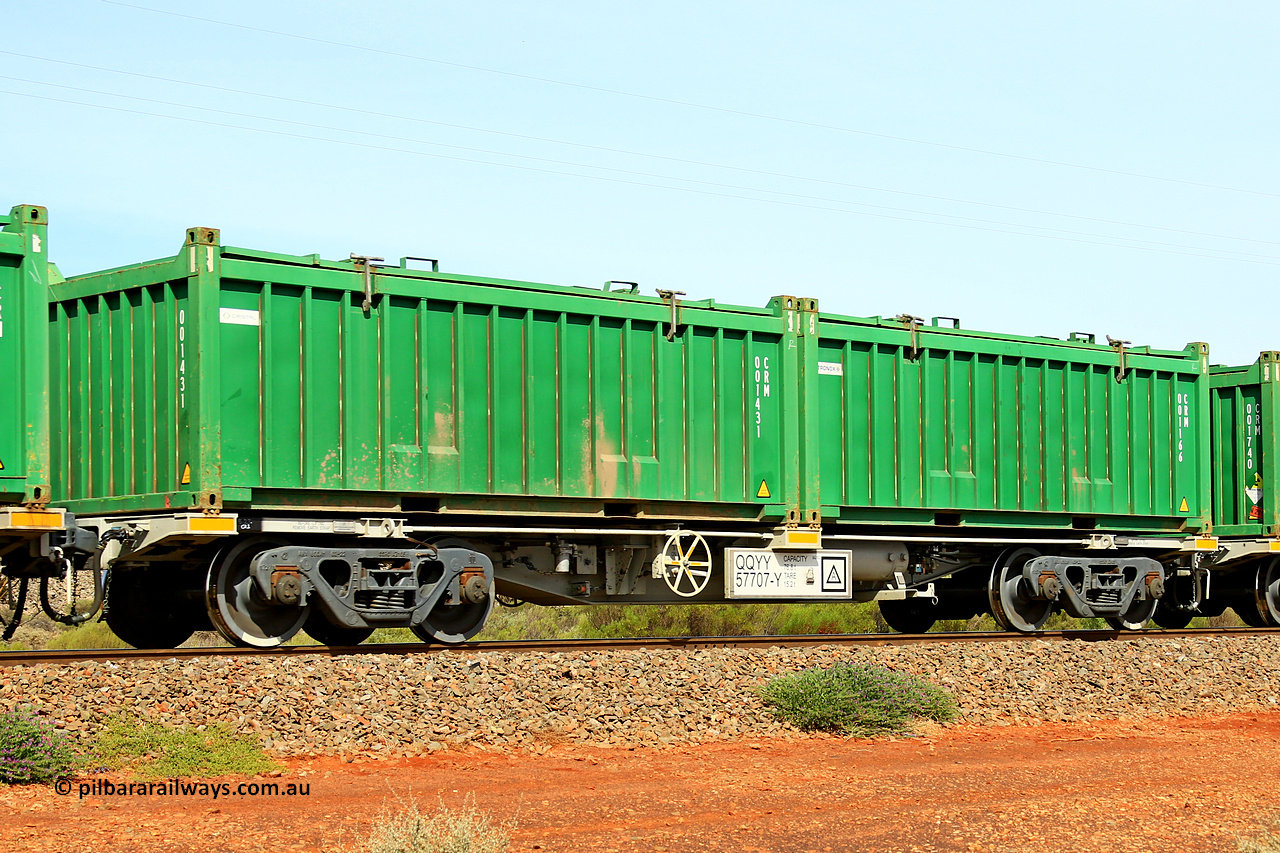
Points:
point(1032, 231)
point(689, 104)
point(629, 172)
point(605, 149)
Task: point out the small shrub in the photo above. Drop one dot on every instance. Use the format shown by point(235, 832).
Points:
point(155, 751)
point(204, 640)
point(856, 699)
point(90, 635)
point(392, 635)
point(462, 830)
point(32, 751)
point(1267, 842)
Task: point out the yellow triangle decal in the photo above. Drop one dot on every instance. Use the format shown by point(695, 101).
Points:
point(1184, 507)
point(1, 466)
point(186, 474)
point(763, 491)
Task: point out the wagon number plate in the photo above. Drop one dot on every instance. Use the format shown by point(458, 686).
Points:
point(761, 573)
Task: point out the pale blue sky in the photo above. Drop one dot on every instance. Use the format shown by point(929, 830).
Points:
point(1101, 167)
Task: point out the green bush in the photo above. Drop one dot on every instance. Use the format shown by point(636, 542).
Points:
point(462, 830)
point(727, 620)
point(90, 635)
point(152, 750)
point(856, 699)
point(32, 751)
point(532, 622)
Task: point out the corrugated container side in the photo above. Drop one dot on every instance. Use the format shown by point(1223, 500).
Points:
point(976, 428)
point(24, 402)
point(258, 379)
point(1246, 447)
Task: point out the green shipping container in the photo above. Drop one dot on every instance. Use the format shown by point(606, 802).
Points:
point(223, 376)
point(24, 354)
point(933, 425)
point(1246, 402)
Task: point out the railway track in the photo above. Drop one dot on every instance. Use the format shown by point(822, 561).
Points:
point(27, 658)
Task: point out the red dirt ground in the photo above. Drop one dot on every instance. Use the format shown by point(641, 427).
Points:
point(1157, 785)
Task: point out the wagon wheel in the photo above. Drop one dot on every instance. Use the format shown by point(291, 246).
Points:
point(319, 628)
point(146, 608)
point(457, 623)
point(1010, 594)
point(1136, 617)
point(908, 615)
point(1171, 611)
point(237, 609)
point(677, 564)
point(1171, 617)
point(1266, 592)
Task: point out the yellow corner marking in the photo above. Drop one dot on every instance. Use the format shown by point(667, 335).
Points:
point(211, 525)
point(1184, 507)
point(763, 491)
point(803, 537)
point(36, 519)
point(1207, 544)
point(1275, 546)
point(186, 474)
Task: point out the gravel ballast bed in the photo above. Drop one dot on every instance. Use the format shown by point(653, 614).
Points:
point(387, 705)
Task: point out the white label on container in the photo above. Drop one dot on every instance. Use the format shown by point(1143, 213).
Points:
point(830, 368)
point(239, 316)
point(761, 573)
point(762, 389)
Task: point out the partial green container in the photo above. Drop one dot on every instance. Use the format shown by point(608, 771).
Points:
point(1246, 463)
point(24, 356)
point(927, 424)
point(225, 376)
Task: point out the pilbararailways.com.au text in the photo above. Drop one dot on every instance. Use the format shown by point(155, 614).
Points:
point(182, 788)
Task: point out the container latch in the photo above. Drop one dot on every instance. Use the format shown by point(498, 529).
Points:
point(367, 262)
point(675, 319)
point(913, 326)
point(1118, 346)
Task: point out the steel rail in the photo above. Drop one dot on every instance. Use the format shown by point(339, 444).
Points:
point(57, 656)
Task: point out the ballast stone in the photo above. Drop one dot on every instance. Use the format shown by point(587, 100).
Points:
point(367, 705)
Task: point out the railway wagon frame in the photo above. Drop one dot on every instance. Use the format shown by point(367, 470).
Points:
point(1245, 405)
point(34, 539)
point(277, 442)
